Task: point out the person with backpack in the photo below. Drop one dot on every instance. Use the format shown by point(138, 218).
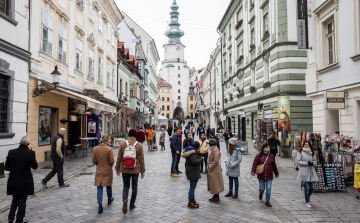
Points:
point(103, 158)
point(203, 151)
point(200, 130)
point(192, 131)
point(150, 138)
point(175, 151)
point(130, 162)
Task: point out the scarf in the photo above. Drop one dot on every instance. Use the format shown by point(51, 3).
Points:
point(202, 140)
point(307, 150)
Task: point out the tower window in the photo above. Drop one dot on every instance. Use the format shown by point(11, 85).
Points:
point(179, 97)
point(178, 82)
point(179, 91)
point(178, 67)
point(178, 75)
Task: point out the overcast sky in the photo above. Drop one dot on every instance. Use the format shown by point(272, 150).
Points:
point(198, 18)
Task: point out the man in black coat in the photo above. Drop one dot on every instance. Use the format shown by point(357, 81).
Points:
point(170, 130)
point(227, 135)
point(20, 183)
point(200, 130)
point(208, 132)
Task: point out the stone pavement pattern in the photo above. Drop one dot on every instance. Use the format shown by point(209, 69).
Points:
point(164, 199)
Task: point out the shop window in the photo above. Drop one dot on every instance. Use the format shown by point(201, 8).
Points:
point(47, 32)
point(48, 119)
point(80, 4)
point(91, 64)
point(62, 43)
point(332, 121)
point(79, 47)
point(100, 70)
point(100, 22)
point(91, 10)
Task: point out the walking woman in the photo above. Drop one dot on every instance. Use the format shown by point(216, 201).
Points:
point(307, 173)
point(215, 180)
point(192, 170)
point(103, 158)
point(273, 141)
point(162, 139)
point(188, 141)
point(233, 167)
point(193, 131)
point(265, 174)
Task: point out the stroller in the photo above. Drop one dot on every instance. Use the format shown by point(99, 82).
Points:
point(155, 146)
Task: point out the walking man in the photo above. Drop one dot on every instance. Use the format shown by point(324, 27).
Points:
point(175, 151)
point(20, 183)
point(57, 156)
point(200, 130)
point(227, 135)
point(150, 138)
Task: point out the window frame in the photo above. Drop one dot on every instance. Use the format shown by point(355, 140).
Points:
point(167, 98)
point(162, 98)
point(63, 39)
point(108, 75)
point(266, 23)
point(331, 36)
point(91, 62)
point(91, 11)
point(78, 51)
point(80, 4)
point(252, 76)
point(179, 97)
point(100, 22)
point(240, 14)
point(100, 62)
point(108, 32)
point(50, 30)
point(267, 70)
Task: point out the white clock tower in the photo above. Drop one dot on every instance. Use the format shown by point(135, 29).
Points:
point(174, 68)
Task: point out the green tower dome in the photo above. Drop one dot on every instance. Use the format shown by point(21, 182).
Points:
point(174, 33)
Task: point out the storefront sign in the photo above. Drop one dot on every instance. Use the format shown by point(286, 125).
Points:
point(284, 120)
point(302, 24)
point(223, 118)
point(44, 126)
point(334, 100)
point(241, 114)
point(73, 118)
point(268, 114)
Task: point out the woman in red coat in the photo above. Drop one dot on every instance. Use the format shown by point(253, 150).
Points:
point(266, 178)
point(140, 135)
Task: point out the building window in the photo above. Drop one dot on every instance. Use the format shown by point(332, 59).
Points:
point(91, 63)
point(179, 91)
point(240, 49)
point(191, 83)
point(167, 116)
point(240, 16)
point(179, 97)
point(131, 93)
point(99, 70)
point(168, 90)
point(241, 82)
point(267, 70)
point(80, 4)
point(162, 90)
point(252, 36)
point(91, 10)
point(168, 108)
point(113, 78)
point(252, 77)
point(47, 32)
point(62, 43)
point(230, 60)
point(78, 57)
point(178, 67)
point(163, 98)
point(163, 107)
point(113, 39)
point(100, 21)
point(108, 76)
point(121, 86)
point(4, 102)
point(178, 75)
point(191, 106)
point(126, 89)
point(224, 65)
point(266, 23)
point(108, 32)
point(8, 8)
point(168, 99)
point(191, 98)
point(178, 82)
point(330, 36)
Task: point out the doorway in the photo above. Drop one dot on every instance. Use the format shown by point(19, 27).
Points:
point(74, 130)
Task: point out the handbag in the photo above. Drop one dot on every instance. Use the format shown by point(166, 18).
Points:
point(260, 168)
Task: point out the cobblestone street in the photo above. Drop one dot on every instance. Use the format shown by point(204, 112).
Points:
point(164, 199)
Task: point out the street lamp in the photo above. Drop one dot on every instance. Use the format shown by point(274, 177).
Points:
point(218, 106)
point(55, 82)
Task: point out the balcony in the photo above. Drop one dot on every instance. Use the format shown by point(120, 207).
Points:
point(174, 60)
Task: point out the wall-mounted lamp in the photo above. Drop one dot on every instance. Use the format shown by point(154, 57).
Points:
point(55, 82)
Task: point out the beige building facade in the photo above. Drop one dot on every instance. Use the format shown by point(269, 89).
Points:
point(165, 104)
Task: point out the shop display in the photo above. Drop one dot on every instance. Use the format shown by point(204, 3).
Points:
point(263, 129)
point(44, 126)
point(334, 176)
point(320, 185)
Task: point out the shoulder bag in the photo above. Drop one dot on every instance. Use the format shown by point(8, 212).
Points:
point(260, 168)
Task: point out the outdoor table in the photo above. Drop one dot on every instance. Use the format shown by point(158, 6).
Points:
point(87, 145)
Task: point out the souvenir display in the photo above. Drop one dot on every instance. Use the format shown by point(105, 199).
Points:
point(320, 185)
point(335, 176)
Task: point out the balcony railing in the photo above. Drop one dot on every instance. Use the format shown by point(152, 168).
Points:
point(174, 60)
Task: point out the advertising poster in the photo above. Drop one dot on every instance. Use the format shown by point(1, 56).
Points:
point(91, 126)
point(44, 126)
point(284, 120)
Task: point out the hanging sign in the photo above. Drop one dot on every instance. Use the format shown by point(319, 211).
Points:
point(284, 120)
point(268, 114)
point(223, 118)
point(241, 114)
point(334, 100)
point(302, 23)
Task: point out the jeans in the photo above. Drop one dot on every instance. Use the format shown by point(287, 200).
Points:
point(227, 145)
point(308, 190)
point(231, 182)
point(58, 168)
point(193, 184)
point(100, 193)
point(268, 188)
point(150, 144)
point(178, 161)
point(193, 135)
point(174, 163)
point(18, 203)
point(134, 183)
point(204, 161)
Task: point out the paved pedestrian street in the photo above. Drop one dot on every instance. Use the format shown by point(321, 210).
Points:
point(164, 199)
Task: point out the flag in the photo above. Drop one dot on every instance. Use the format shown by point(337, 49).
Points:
point(201, 100)
point(147, 101)
point(199, 84)
point(157, 100)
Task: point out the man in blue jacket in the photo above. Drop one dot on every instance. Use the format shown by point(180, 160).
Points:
point(175, 150)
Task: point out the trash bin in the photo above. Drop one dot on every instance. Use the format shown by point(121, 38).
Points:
point(47, 155)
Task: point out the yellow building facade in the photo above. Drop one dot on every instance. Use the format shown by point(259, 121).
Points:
point(191, 102)
point(165, 103)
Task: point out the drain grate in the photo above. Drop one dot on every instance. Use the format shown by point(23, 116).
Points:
point(47, 167)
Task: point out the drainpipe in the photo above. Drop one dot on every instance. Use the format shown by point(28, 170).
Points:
point(29, 65)
point(221, 62)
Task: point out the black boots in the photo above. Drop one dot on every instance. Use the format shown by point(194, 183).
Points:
point(215, 198)
point(235, 195)
point(229, 194)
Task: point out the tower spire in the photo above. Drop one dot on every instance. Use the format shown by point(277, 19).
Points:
point(174, 33)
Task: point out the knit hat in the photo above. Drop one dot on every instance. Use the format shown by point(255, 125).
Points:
point(213, 142)
point(196, 144)
point(132, 133)
point(233, 141)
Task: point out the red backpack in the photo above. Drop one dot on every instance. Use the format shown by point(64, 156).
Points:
point(129, 157)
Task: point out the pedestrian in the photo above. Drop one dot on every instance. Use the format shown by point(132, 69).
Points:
point(170, 130)
point(192, 131)
point(213, 136)
point(140, 135)
point(227, 135)
point(264, 166)
point(208, 132)
point(233, 167)
point(307, 172)
point(20, 183)
point(150, 138)
point(130, 173)
point(103, 158)
point(175, 151)
point(57, 156)
point(162, 139)
point(192, 170)
point(200, 130)
point(188, 141)
point(203, 151)
point(214, 175)
point(273, 141)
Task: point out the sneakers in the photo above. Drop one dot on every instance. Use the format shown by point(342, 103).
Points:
point(44, 185)
point(100, 209)
point(175, 175)
point(124, 209)
point(110, 200)
point(65, 185)
point(308, 205)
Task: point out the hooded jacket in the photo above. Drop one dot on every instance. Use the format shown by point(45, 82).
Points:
point(233, 163)
point(192, 164)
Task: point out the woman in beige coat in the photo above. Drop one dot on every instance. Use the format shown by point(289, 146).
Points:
point(103, 158)
point(215, 180)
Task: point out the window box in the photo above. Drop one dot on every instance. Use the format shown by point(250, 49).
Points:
point(231, 96)
point(238, 24)
point(252, 88)
point(239, 59)
point(224, 45)
point(226, 100)
point(251, 7)
point(266, 84)
point(252, 47)
point(265, 36)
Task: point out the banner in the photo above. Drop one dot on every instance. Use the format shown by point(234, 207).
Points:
point(199, 84)
point(284, 120)
point(147, 100)
point(302, 24)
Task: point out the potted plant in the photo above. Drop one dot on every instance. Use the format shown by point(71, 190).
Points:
point(266, 34)
point(266, 84)
point(231, 96)
point(252, 88)
point(252, 46)
point(241, 92)
point(239, 59)
point(251, 7)
point(238, 24)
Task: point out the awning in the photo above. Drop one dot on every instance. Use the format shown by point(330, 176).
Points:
point(91, 103)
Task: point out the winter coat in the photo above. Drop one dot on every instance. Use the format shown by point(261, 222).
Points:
point(162, 137)
point(215, 180)
point(192, 164)
point(204, 146)
point(175, 144)
point(208, 132)
point(228, 135)
point(140, 161)
point(233, 163)
point(19, 162)
point(273, 143)
point(150, 134)
point(103, 158)
point(270, 166)
point(140, 136)
point(170, 131)
point(200, 130)
point(187, 142)
point(307, 173)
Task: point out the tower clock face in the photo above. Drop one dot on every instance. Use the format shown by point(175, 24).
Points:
point(178, 48)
